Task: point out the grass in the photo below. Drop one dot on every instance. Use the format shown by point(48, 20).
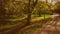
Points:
point(16, 19)
point(40, 18)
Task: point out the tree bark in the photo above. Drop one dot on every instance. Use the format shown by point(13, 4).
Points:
point(30, 9)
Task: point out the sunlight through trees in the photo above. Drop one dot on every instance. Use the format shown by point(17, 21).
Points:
point(18, 14)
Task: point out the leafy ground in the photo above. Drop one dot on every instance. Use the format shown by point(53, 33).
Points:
point(31, 28)
point(20, 19)
point(38, 23)
point(51, 27)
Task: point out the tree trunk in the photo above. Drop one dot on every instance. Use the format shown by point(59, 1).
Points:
point(39, 14)
point(30, 9)
point(29, 14)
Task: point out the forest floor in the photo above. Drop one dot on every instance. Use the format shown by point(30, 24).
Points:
point(51, 27)
point(33, 20)
point(37, 24)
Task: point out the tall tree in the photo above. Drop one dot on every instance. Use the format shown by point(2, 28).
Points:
point(30, 9)
point(2, 11)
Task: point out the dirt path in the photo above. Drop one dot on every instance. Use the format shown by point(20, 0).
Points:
point(51, 27)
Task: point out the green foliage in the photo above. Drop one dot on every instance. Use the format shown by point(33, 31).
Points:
point(56, 8)
point(12, 12)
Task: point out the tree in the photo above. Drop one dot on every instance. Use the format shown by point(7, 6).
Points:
point(57, 8)
point(10, 10)
point(30, 9)
point(2, 11)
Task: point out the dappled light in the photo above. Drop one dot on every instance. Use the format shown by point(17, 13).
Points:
point(29, 16)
